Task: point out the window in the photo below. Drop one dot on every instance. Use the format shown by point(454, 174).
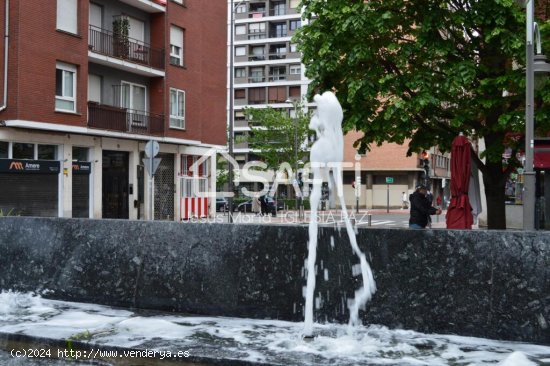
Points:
point(23, 151)
point(256, 31)
point(240, 30)
point(80, 153)
point(295, 24)
point(256, 74)
point(4, 149)
point(65, 87)
point(240, 72)
point(258, 53)
point(47, 152)
point(294, 3)
point(295, 70)
point(277, 73)
point(67, 16)
point(133, 96)
point(240, 51)
point(294, 91)
point(256, 95)
point(278, 8)
point(278, 30)
point(240, 94)
point(240, 9)
point(176, 46)
point(177, 108)
point(94, 88)
point(293, 47)
point(277, 94)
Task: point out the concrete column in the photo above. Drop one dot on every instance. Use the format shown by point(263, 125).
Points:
point(96, 157)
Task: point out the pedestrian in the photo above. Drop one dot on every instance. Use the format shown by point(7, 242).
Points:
point(438, 201)
point(404, 203)
point(263, 205)
point(256, 205)
point(421, 208)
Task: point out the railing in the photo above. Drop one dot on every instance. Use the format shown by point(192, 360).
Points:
point(277, 77)
point(278, 34)
point(109, 44)
point(256, 79)
point(277, 56)
point(256, 58)
point(113, 118)
point(278, 11)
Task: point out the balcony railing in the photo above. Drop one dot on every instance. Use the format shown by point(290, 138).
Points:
point(109, 44)
point(278, 33)
point(112, 118)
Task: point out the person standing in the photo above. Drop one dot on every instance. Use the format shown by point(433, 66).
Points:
point(421, 208)
point(256, 205)
point(405, 202)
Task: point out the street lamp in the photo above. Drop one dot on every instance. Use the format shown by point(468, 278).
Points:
point(295, 105)
point(230, 141)
point(535, 63)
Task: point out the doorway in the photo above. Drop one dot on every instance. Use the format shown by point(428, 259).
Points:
point(115, 184)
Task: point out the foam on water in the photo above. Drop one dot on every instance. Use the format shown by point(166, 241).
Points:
point(262, 341)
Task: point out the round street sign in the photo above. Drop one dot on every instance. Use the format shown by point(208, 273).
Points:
point(152, 148)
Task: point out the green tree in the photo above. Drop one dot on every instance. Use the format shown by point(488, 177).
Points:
point(426, 70)
point(273, 134)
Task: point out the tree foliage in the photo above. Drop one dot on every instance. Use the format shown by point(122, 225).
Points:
point(425, 70)
point(273, 134)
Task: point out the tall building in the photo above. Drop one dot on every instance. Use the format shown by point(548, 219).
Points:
point(268, 72)
point(267, 65)
point(86, 84)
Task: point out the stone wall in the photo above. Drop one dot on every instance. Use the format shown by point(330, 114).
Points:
point(492, 284)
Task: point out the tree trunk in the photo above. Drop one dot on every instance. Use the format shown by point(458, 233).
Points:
point(495, 182)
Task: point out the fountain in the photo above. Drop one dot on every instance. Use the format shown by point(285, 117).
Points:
point(326, 157)
point(443, 297)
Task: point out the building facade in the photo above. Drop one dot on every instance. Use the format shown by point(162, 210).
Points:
point(88, 83)
point(267, 65)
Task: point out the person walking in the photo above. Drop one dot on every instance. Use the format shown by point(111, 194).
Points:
point(404, 201)
point(256, 205)
point(421, 208)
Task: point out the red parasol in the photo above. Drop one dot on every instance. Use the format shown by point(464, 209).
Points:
point(459, 213)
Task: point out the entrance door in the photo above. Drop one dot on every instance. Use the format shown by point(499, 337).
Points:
point(164, 188)
point(115, 184)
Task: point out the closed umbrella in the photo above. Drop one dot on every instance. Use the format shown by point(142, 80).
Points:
point(459, 212)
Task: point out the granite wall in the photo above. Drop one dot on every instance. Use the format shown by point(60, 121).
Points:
point(492, 284)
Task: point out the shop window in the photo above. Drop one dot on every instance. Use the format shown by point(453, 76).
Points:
point(80, 153)
point(4, 149)
point(47, 152)
point(23, 151)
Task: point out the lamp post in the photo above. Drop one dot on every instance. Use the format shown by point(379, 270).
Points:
point(230, 139)
point(295, 105)
point(534, 64)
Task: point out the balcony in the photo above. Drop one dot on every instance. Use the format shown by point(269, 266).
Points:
point(157, 6)
point(126, 50)
point(112, 118)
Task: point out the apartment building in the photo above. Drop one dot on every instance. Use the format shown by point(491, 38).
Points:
point(268, 72)
point(86, 84)
point(267, 65)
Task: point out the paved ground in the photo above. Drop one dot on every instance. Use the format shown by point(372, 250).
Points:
point(365, 218)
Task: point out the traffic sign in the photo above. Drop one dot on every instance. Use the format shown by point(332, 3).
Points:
point(155, 163)
point(389, 180)
point(152, 148)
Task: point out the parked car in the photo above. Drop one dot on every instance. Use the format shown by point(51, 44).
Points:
point(272, 206)
point(221, 204)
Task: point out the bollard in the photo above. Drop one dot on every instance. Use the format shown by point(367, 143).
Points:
point(369, 220)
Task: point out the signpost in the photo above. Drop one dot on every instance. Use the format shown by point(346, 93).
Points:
point(389, 180)
point(151, 165)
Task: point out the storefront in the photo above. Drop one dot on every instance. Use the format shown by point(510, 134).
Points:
point(29, 187)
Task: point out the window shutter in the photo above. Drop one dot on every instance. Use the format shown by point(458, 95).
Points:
point(176, 36)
